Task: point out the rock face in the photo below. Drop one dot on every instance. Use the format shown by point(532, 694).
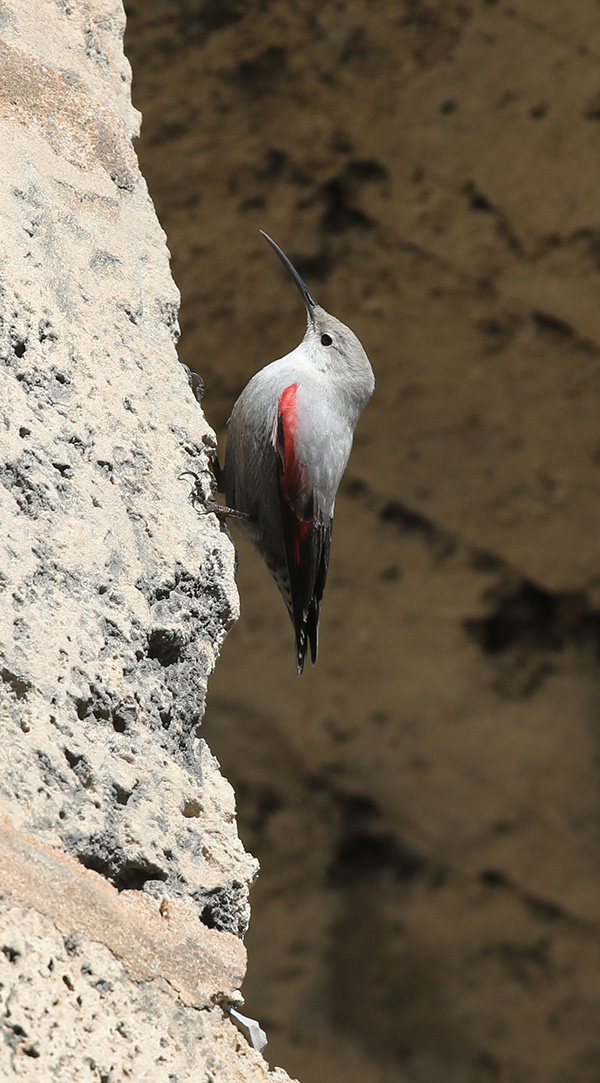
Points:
point(425, 802)
point(124, 883)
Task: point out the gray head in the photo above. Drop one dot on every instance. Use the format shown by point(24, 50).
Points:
point(329, 344)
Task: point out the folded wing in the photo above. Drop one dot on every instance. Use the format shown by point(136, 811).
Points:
point(307, 534)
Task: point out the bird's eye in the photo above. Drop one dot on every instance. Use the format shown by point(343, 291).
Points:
point(326, 340)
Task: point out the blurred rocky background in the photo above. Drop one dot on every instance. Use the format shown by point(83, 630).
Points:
point(425, 802)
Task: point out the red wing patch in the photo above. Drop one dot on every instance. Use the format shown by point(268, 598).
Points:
point(287, 426)
point(293, 475)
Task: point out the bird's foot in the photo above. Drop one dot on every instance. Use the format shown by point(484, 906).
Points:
point(209, 504)
point(196, 383)
point(218, 472)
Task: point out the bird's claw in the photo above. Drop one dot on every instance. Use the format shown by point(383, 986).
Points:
point(196, 495)
point(196, 383)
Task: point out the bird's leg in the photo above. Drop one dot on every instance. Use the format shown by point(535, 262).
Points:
point(222, 512)
point(210, 505)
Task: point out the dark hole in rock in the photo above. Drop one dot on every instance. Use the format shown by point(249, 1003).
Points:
point(165, 646)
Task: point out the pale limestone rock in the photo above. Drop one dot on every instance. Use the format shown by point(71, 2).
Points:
point(116, 596)
point(71, 1012)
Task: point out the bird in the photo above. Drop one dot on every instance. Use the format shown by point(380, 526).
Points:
point(288, 442)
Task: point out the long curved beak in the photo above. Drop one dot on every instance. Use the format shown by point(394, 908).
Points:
point(307, 297)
